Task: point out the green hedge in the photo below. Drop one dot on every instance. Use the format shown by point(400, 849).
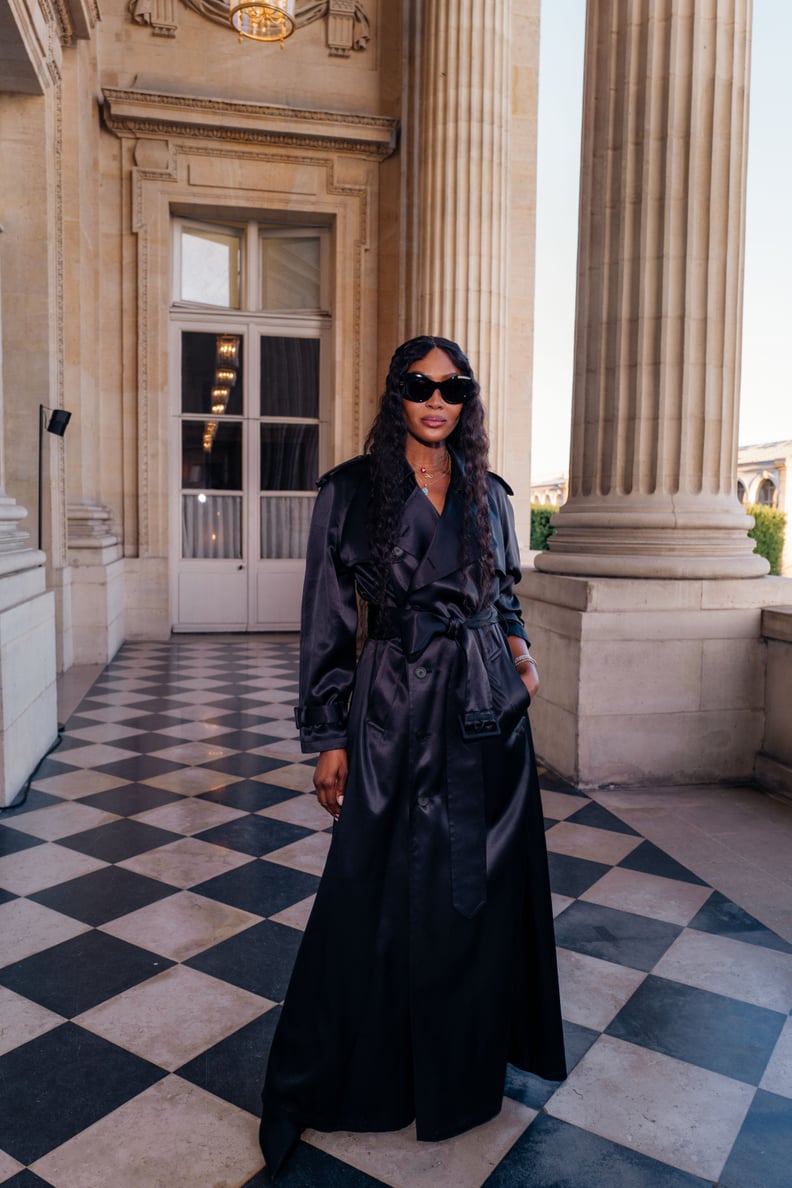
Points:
point(768, 532)
point(541, 527)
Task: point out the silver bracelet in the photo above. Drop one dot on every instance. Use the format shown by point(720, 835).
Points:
point(524, 659)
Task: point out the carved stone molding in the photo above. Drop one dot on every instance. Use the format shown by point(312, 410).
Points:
point(146, 114)
point(348, 24)
point(159, 14)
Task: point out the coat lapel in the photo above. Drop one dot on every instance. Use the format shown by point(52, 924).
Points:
point(444, 554)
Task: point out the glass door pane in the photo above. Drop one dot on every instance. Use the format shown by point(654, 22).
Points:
point(290, 377)
point(289, 443)
point(211, 445)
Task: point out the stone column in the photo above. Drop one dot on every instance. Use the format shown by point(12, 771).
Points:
point(653, 466)
point(462, 213)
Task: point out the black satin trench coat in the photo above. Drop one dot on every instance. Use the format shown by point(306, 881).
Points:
point(428, 961)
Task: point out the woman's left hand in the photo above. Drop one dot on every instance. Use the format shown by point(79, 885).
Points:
point(530, 678)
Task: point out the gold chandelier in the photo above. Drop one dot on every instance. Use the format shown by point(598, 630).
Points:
point(271, 21)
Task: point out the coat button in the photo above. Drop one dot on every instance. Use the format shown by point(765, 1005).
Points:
point(420, 672)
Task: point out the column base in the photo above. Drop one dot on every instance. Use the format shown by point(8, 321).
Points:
point(97, 603)
point(650, 681)
point(28, 692)
point(687, 538)
point(147, 603)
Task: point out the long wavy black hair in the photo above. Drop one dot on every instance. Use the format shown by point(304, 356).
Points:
point(386, 443)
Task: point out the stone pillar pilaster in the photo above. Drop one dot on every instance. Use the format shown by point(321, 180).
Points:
point(463, 201)
point(652, 490)
point(28, 693)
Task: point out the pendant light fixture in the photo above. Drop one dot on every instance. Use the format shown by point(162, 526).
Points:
point(271, 21)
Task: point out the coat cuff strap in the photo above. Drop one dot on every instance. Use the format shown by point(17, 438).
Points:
point(320, 715)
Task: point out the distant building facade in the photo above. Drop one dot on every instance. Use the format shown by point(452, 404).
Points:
point(550, 492)
point(763, 477)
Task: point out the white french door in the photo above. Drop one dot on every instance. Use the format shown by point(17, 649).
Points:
point(247, 446)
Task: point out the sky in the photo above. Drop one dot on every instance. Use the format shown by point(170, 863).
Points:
point(766, 389)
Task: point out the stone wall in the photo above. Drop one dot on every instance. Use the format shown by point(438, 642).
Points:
point(774, 761)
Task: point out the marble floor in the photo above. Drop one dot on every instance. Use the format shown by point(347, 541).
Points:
point(153, 888)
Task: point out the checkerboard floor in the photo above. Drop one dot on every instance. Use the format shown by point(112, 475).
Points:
point(152, 893)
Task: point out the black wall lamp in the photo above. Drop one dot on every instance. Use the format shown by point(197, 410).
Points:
point(54, 421)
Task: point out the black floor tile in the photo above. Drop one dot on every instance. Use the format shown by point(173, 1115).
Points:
point(528, 1089)
point(249, 795)
point(254, 835)
point(79, 721)
point(724, 918)
point(760, 1158)
point(118, 840)
point(51, 767)
point(7, 896)
point(14, 840)
point(573, 876)
point(261, 887)
point(260, 959)
point(147, 720)
point(67, 743)
point(598, 817)
point(103, 895)
point(26, 1179)
point(141, 767)
point(245, 764)
point(148, 706)
point(234, 1069)
point(556, 783)
point(148, 742)
point(577, 1041)
point(721, 1034)
point(80, 973)
point(309, 1167)
point(34, 800)
point(650, 860)
point(57, 1085)
point(554, 1154)
point(244, 719)
point(239, 740)
point(130, 799)
point(611, 935)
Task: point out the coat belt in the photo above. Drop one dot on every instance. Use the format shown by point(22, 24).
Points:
point(478, 721)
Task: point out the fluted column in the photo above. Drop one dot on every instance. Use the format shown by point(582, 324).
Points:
point(652, 489)
point(463, 199)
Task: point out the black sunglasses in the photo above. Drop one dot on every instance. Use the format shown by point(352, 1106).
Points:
point(454, 390)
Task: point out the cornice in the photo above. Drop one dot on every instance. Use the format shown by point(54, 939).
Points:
point(146, 113)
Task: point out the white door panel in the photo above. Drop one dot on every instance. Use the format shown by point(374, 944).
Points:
point(212, 598)
point(278, 595)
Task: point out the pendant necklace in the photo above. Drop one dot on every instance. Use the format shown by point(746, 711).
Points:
point(426, 477)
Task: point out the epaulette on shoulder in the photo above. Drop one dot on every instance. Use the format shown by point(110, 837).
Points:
point(509, 490)
point(350, 462)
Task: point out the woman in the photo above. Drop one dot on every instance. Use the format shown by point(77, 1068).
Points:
point(428, 962)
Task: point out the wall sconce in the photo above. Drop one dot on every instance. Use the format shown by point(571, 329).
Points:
point(54, 421)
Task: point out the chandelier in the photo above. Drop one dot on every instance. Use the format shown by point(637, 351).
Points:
point(271, 21)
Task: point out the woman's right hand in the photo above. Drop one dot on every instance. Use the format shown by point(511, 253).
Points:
point(330, 779)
